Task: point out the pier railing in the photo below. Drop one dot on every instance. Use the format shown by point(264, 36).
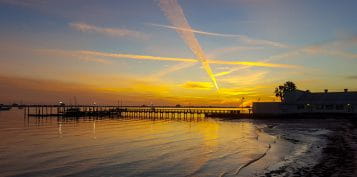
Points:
point(90, 110)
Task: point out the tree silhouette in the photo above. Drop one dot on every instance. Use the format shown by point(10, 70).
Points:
point(281, 90)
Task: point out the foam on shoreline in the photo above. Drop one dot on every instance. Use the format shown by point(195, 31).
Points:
point(293, 147)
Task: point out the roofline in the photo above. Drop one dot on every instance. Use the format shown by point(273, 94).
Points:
point(333, 92)
point(327, 92)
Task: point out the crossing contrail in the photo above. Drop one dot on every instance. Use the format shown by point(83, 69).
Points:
point(175, 15)
point(244, 38)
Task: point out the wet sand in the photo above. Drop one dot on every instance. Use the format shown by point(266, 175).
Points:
point(338, 156)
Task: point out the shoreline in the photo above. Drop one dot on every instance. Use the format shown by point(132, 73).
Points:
point(339, 156)
point(335, 152)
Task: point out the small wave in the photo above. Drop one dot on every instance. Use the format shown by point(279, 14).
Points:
point(253, 160)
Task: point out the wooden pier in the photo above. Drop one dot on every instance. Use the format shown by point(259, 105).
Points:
point(118, 111)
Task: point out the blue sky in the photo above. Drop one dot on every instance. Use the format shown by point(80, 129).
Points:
point(313, 43)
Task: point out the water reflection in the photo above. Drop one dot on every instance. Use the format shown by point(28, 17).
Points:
point(125, 146)
point(94, 130)
point(60, 129)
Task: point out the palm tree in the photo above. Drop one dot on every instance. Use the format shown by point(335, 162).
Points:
point(281, 90)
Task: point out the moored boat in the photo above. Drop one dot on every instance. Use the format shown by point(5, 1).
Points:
point(4, 108)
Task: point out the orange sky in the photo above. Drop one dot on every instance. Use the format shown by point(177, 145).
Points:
point(172, 52)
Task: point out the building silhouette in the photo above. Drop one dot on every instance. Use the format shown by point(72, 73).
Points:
point(299, 101)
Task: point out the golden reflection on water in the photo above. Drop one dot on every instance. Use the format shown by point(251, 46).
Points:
point(209, 131)
point(193, 147)
point(60, 129)
point(94, 135)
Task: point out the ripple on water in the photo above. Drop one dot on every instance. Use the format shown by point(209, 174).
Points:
point(128, 146)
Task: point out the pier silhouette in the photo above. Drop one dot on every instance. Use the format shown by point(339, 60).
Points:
point(128, 111)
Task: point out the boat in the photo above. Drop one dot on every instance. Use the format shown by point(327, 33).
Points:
point(73, 112)
point(4, 108)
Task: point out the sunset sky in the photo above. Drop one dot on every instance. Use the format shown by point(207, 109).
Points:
point(167, 52)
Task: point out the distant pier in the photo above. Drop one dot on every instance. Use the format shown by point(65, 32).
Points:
point(121, 111)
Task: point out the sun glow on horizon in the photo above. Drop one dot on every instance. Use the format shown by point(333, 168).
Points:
point(173, 52)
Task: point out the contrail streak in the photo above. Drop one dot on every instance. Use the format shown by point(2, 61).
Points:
point(116, 32)
point(196, 31)
point(192, 60)
point(139, 57)
point(175, 15)
point(244, 38)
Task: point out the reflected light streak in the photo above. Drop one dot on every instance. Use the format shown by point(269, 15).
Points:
point(94, 130)
point(60, 129)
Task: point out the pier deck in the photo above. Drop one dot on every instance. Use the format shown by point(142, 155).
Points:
point(127, 111)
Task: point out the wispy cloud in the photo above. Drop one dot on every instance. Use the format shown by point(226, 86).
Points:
point(197, 85)
point(176, 16)
point(225, 50)
point(231, 70)
point(172, 69)
point(319, 50)
point(261, 42)
point(244, 38)
point(248, 79)
point(332, 48)
point(71, 54)
point(352, 77)
point(115, 32)
point(329, 48)
point(230, 93)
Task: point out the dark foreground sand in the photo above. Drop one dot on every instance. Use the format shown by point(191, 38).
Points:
point(339, 156)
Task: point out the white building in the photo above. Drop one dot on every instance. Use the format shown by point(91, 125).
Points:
point(306, 102)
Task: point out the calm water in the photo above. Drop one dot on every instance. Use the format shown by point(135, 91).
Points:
point(146, 147)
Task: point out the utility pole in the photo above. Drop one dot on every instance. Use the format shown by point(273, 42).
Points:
point(242, 103)
point(75, 100)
